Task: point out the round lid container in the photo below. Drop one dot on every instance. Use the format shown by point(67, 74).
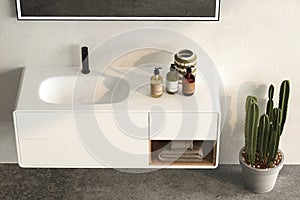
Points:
point(185, 58)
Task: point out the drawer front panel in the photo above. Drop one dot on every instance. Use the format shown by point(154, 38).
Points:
point(183, 126)
point(62, 139)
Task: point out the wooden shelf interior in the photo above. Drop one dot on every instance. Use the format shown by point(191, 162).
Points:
point(208, 146)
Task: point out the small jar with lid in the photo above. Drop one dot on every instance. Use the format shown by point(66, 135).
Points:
point(184, 59)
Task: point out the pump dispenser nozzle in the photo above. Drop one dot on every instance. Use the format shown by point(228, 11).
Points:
point(172, 67)
point(156, 70)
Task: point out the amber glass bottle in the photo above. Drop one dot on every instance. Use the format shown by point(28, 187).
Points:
point(188, 83)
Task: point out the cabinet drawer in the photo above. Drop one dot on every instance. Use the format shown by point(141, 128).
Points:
point(94, 139)
point(183, 126)
point(47, 125)
point(59, 153)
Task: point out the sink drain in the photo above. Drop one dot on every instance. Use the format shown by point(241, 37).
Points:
point(84, 99)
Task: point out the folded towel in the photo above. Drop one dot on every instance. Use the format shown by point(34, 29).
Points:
point(181, 155)
point(182, 144)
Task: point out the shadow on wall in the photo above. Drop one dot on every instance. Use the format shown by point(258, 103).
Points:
point(13, 9)
point(232, 137)
point(142, 63)
point(9, 83)
point(160, 57)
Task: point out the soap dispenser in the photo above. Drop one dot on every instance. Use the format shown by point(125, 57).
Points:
point(188, 83)
point(172, 80)
point(156, 83)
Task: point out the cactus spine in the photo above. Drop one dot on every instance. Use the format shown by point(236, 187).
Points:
point(262, 135)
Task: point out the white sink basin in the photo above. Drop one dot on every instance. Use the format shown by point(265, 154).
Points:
point(83, 90)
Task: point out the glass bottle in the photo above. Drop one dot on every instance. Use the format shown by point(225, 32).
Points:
point(172, 80)
point(188, 83)
point(156, 83)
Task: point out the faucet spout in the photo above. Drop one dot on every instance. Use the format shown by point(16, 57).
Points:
point(85, 60)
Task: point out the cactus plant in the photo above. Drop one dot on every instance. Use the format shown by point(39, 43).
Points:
point(262, 135)
point(270, 103)
point(250, 99)
point(283, 101)
point(252, 116)
point(274, 136)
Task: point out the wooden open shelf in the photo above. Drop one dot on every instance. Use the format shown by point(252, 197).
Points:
point(209, 149)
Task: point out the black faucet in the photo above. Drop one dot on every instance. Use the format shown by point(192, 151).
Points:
point(85, 60)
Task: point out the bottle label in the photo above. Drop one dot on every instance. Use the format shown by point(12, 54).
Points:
point(156, 89)
point(172, 86)
point(188, 88)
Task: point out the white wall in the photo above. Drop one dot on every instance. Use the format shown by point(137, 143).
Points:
point(257, 42)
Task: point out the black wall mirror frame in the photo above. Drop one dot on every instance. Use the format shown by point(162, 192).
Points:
point(127, 10)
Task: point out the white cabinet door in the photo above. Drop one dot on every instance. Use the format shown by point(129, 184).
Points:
point(183, 126)
point(82, 139)
point(54, 153)
point(126, 138)
point(50, 139)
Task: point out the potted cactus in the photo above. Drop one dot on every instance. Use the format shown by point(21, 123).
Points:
point(261, 160)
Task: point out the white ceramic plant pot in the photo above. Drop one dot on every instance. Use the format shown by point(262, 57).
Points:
point(259, 180)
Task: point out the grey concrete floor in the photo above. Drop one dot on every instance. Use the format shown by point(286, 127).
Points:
point(222, 183)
